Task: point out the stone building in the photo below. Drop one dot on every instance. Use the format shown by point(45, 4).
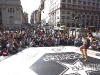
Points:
point(26, 17)
point(32, 18)
point(72, 13)
point(11, 13)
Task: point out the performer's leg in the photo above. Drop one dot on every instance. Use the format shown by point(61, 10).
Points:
point(85, 52)
point(81, 49)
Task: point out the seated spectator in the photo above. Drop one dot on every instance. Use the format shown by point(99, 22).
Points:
point(3, 43)
point(22, 43)
point(32, 44)
point(40, 44)
point(16, 45)
point(69, 41)
point(93, 46)
point(76, 43)
point(98, 48)
point(11, 48)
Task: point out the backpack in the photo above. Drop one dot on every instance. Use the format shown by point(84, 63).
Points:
point(5, 53)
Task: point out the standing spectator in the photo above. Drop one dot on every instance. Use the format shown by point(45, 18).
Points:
point(70, 41)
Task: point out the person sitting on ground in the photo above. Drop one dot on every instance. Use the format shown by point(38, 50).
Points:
point(32, 43)
point(15, 44)
point(22, 43)
point(93, 46)
point(11, 48)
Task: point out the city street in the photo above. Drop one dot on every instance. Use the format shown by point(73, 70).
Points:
point(62, 60)
point(50, 37)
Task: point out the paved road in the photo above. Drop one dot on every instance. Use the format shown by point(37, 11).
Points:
point(61, 60)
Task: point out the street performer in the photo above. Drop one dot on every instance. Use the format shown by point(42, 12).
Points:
point(86, 43)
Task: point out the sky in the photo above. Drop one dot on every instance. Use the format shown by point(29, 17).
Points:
point(30, 5)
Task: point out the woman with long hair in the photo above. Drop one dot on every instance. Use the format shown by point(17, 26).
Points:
point(86, 43)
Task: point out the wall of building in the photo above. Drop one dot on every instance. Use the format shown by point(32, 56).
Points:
point(64, 11)
point(32, 18)
point(26, 17)
point(45, 13)
point(12, 13)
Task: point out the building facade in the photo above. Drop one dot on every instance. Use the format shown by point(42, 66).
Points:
point(26, 17)
point(45, 18)
point(32, 18)
point(73, 13)
point(11, 13)
point(35, 16)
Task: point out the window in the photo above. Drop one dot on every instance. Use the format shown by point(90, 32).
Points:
point(11, 10)
point(89, 3)
point(68, 25)
point(96, 17)
point(63, 0)
point(74, 1)
point(63, 12)
point(93, 4)
point(73, 24)
point(87, 16)
point(79, 2)
point(8, 10)
point(88, 8)
point(97, 5)
point(68, 12)
point(83, 16)
point(84, 3)
point(63, 17)
point(69, 1)
point(98, 0)
point(78, 7)
point(68, 17)
point(73, 15)
point(63, 6)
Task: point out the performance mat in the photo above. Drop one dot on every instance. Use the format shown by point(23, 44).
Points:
point(62, 60)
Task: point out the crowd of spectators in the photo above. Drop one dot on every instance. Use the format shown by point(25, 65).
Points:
point(10, 42)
